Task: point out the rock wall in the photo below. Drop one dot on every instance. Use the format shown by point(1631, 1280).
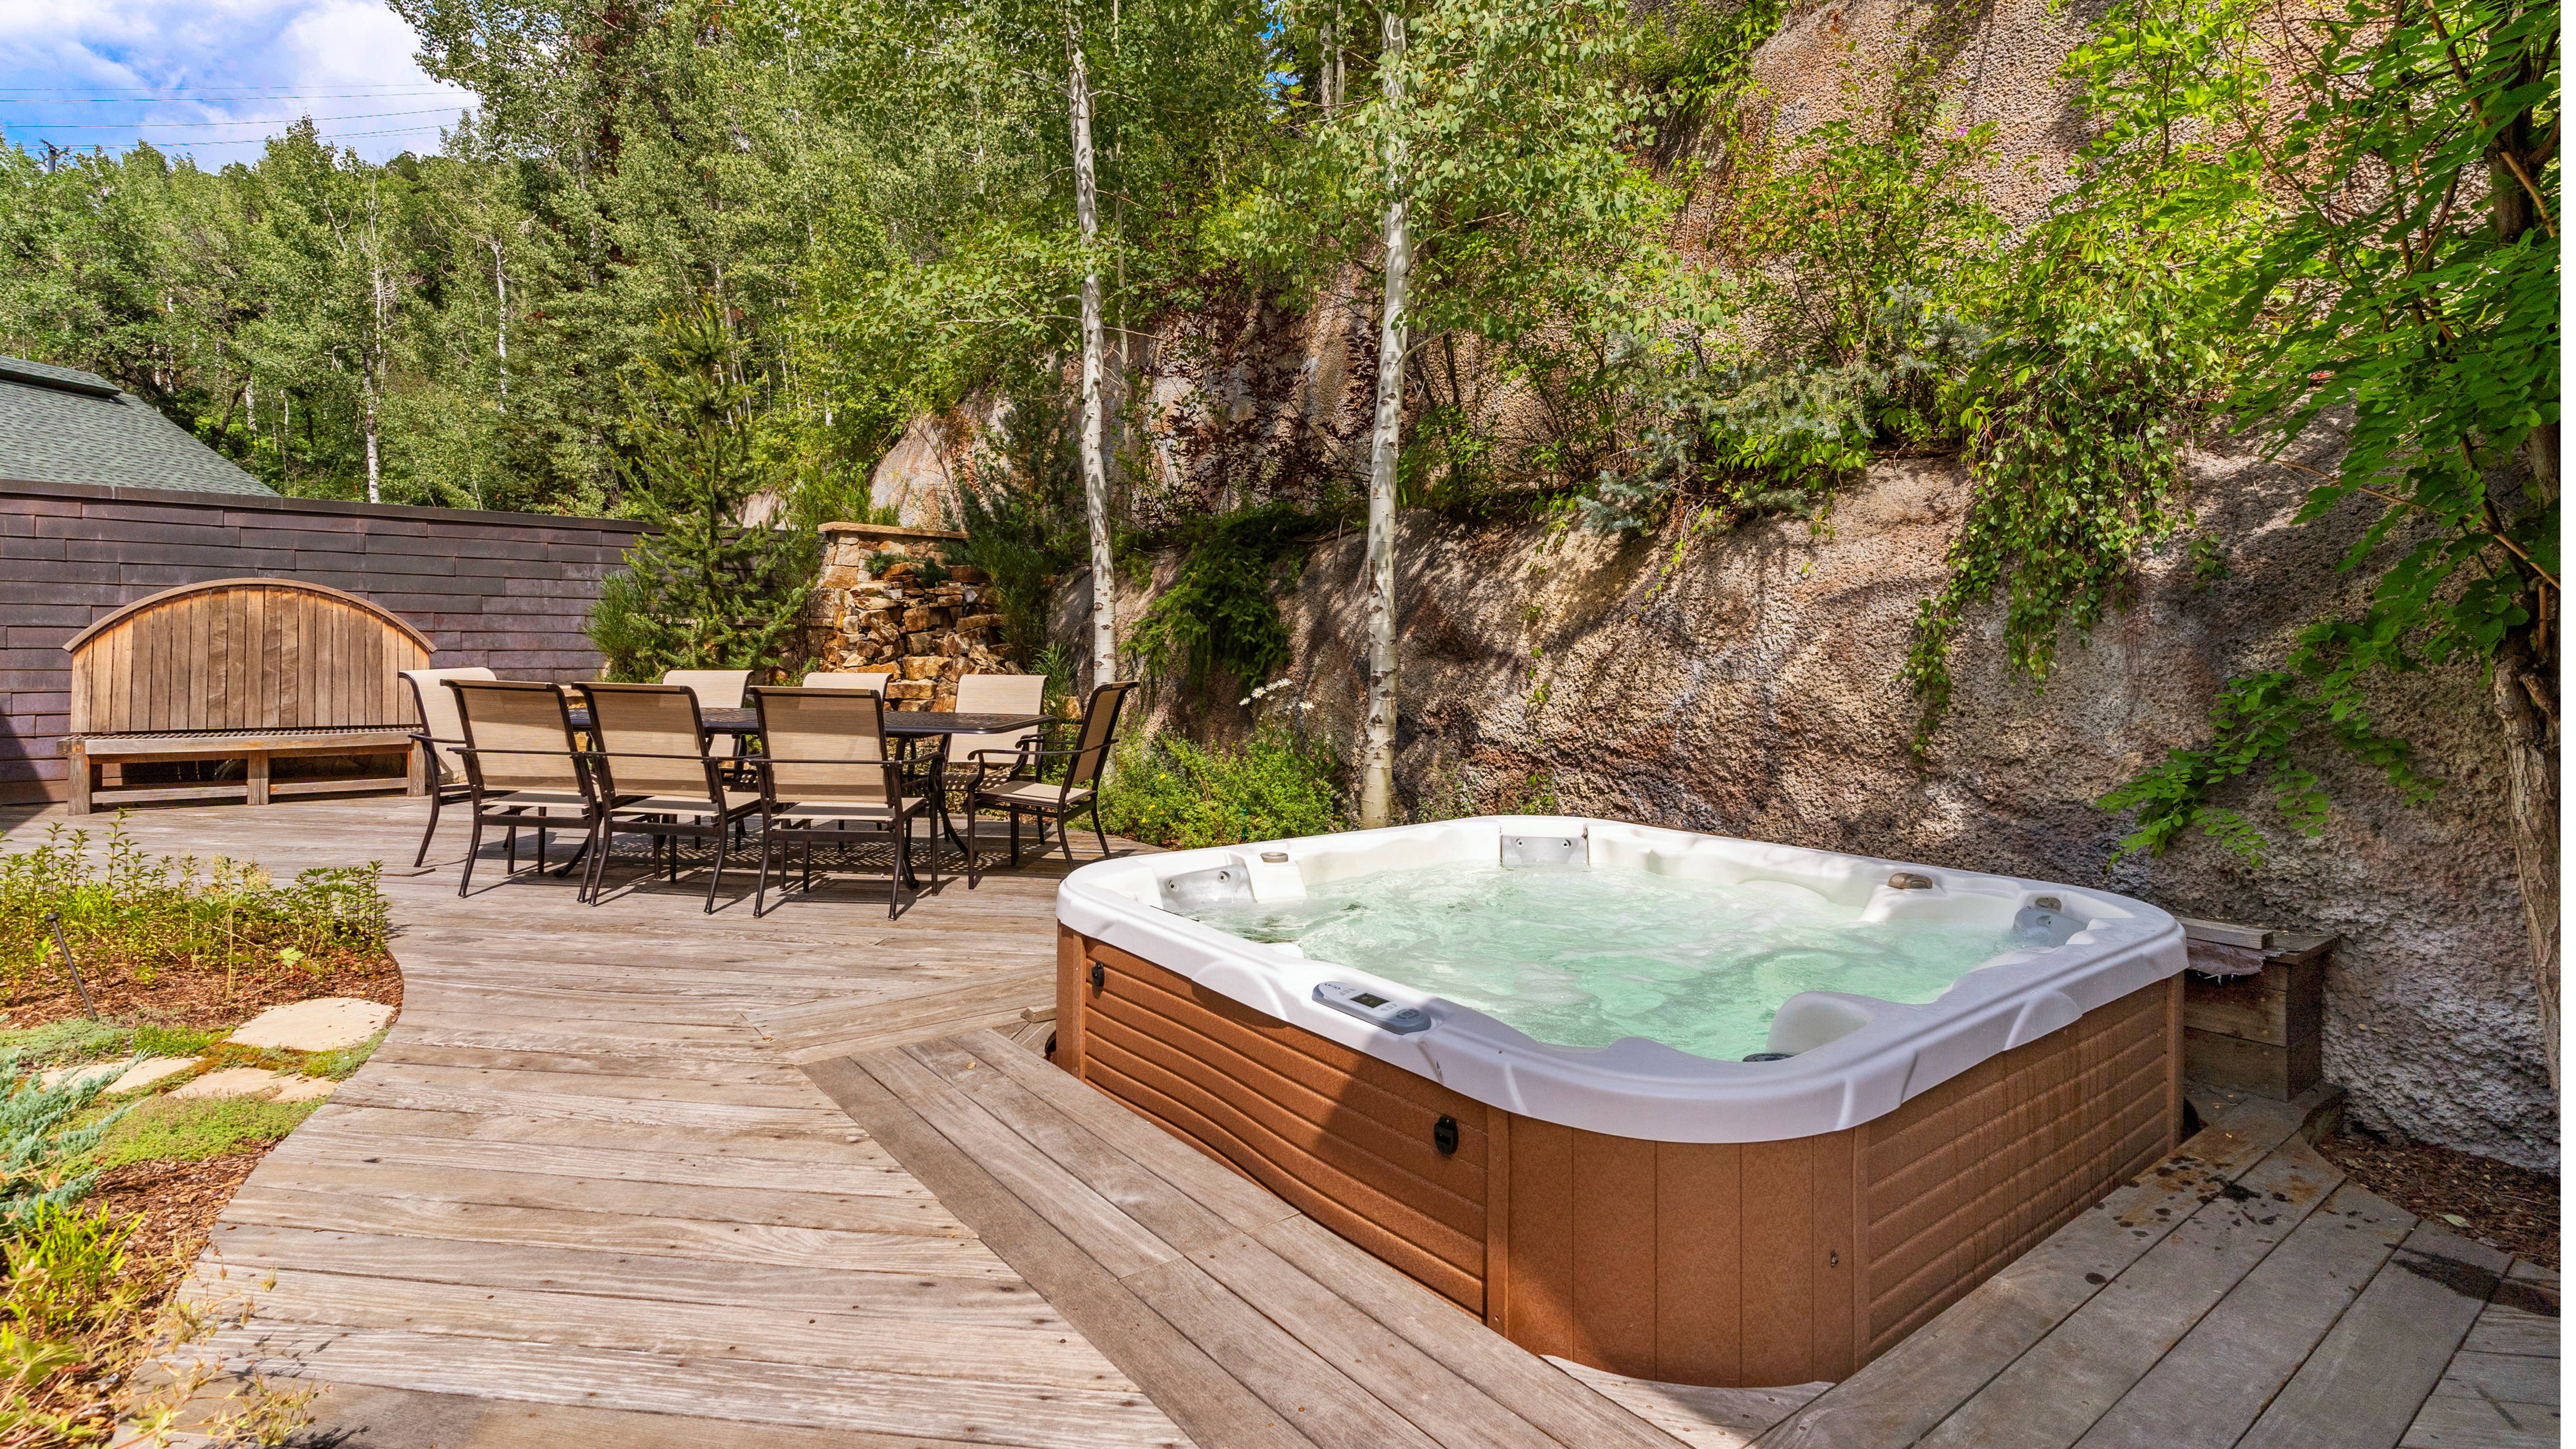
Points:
point(889, 600)
point(1747, 685)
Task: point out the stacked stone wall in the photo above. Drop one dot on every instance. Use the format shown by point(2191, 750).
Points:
point(883, 607)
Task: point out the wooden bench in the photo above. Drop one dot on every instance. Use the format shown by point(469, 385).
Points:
point(254, 670)
point(254, 748)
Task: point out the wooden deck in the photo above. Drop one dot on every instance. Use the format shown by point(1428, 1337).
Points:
point(633, 1174)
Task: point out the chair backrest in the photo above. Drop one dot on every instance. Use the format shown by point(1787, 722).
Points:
point(876, 682)
point(1098, 733)
point(717, 688)
point(1001, 693)
point(437, 711)
point(650, 739)
point(521, 735)
point(996, 694)
point(825, 744)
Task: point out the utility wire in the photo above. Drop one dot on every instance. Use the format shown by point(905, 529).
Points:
point(199, 125)
point(92, 99)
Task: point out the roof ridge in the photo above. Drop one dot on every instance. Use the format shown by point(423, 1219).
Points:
point(66, 379)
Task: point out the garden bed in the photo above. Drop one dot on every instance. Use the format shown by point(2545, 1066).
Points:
point(2508, 1207)
point(176, 954)
point(178, 942)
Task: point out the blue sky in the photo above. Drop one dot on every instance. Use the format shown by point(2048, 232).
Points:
point(214, 78)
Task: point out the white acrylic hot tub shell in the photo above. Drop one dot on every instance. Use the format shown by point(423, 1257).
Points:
point(1859, 1057)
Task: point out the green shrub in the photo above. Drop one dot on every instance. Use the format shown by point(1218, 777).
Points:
point(1168, 791)
point(41, 1151)
point(1219, 615)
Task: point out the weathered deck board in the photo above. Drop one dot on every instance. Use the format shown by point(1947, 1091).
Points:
point(1124, 1228)
point(2501, 1390)
point(633, 1174)
point(577, 1175)
point(2234, 1296)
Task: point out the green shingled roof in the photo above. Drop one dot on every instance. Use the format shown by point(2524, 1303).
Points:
point(59, 425)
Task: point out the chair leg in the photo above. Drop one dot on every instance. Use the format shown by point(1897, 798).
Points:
point(541, 850)
point(971, 861)
point(432, 830)
point(902, 866)
point(1015, 837)
point(1098, 829)
point(936, 822)
point(510, 865)
point(592, 859)
point(760, 887)
point(1064, 835)
point(717, 876)
point(473, 848)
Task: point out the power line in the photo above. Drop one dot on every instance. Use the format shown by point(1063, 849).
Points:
point(167, 125)
point(101, 146)
point(145, 100)
point(144, 90)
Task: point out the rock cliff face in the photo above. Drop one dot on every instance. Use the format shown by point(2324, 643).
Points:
point(1746, 685)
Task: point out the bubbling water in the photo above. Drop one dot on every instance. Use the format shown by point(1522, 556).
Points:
point(1581, 958)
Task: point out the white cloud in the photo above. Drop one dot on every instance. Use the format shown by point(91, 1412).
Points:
point(104, 72)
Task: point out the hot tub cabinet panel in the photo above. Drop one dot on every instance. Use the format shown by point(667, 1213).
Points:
point(1722, 1263)
point(1344, 1137)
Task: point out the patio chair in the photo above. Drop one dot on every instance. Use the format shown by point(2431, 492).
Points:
point(876, 682)
point(999, 694)
point(523, 769)
point(1017, 783)
point(656, 778)
point(716, 689)
point(825, 774)
point(439, 734)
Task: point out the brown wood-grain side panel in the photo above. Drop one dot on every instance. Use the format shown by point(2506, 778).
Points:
point(1968, 1176)
point(1540, 1297)
point(1390, 1113)
point(1699, 1263)
point(1344, 1137)
point(1349, 1209)
point(1614, 1253)
point(1072, 995)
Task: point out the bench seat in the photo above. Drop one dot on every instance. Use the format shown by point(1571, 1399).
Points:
point(253, 747)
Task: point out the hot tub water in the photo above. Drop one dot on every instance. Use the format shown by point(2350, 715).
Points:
point(1582, 957)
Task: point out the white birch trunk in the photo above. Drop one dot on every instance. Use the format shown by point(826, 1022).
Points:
point(501, 327)
point(1377, 740)
point(1095, 468)
point(374, 378)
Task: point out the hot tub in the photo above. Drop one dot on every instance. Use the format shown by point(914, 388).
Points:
point(1681, 1215)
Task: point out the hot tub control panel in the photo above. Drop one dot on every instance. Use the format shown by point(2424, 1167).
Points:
point(1372, 1008)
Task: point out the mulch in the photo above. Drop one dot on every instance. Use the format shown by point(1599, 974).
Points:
point(178, 1202)
point(2508, 1207)
point(201, 999)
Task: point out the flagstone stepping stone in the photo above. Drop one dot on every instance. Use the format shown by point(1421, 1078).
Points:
point(231, 1082)
point(304, 1089)
point(327, 1025)
point(152, 1069)
point(53, 1076)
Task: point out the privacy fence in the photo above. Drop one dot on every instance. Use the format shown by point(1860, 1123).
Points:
point(508, 591)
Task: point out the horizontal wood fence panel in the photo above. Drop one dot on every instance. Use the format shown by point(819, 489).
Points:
point(508, 591)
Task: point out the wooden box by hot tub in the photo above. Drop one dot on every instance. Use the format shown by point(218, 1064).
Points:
point(1739, 1265)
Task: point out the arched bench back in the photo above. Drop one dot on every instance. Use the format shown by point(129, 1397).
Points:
point(235, 654)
